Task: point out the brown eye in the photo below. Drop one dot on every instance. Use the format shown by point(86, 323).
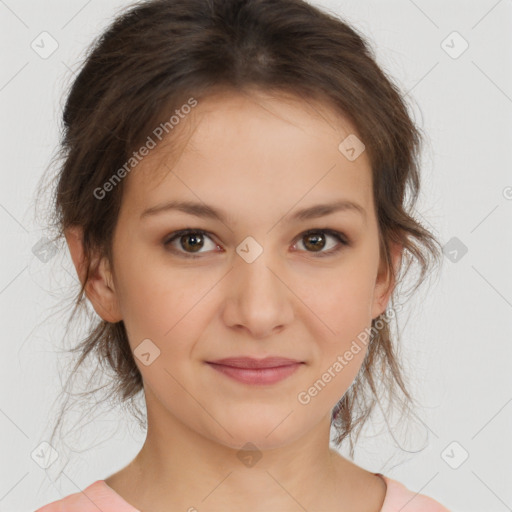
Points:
point(316, 240)
point(190, 242)
point(193, 241)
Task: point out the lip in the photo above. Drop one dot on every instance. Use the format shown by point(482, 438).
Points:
point(252, 363)
point(256, 371)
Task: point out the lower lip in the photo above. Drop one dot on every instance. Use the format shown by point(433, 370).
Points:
point(257, 375)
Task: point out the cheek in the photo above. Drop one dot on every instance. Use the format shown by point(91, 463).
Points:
point(148, 303)
point(169, 306)
point(342, 307)
point(341, 303)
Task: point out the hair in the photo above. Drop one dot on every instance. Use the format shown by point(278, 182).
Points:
point(158, 54)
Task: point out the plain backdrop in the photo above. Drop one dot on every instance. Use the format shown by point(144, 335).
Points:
point(457, 342)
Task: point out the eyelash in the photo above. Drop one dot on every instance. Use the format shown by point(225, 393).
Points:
point(342, 239)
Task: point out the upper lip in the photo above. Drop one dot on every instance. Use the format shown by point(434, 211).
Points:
point(250, 362)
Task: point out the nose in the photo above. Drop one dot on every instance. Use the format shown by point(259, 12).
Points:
point(258, 300)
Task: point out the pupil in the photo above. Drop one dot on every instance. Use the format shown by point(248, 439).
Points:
point(317, 238)
point(195, 237)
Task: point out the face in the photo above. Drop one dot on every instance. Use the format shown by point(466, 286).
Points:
point(252, 283)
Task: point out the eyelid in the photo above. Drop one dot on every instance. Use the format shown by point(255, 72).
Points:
point(176, 235)
point(342, 239)
point(332, 232)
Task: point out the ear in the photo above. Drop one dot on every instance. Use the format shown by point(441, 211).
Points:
point(384, 284)
point(100, 286)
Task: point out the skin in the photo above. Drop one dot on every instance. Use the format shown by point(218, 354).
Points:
point(259, 158)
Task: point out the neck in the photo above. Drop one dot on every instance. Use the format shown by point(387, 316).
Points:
point(179, 466)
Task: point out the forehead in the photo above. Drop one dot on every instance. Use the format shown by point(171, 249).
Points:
point(253, 148)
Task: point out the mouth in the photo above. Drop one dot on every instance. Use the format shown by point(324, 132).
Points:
point(253, 363)
point(269, 370)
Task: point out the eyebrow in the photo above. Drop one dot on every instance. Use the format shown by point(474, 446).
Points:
point(203, 210)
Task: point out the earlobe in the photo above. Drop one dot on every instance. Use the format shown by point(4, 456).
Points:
point(99, 288)
point(385, 285)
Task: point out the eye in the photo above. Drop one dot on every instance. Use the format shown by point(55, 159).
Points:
point(193, 240)
point(189, 239)
point(315, 239)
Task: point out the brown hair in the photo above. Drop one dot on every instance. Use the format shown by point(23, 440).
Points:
point(159, 53)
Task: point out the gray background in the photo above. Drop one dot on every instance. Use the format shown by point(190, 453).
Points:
point(457, 342)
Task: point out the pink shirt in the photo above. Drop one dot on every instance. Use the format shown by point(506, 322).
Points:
point(99, 496)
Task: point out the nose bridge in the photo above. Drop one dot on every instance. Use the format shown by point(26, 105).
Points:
point(259, 299)
point(259, 274)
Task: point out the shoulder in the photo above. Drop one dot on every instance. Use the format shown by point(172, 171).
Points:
point(398, 497)
point(98, 496)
